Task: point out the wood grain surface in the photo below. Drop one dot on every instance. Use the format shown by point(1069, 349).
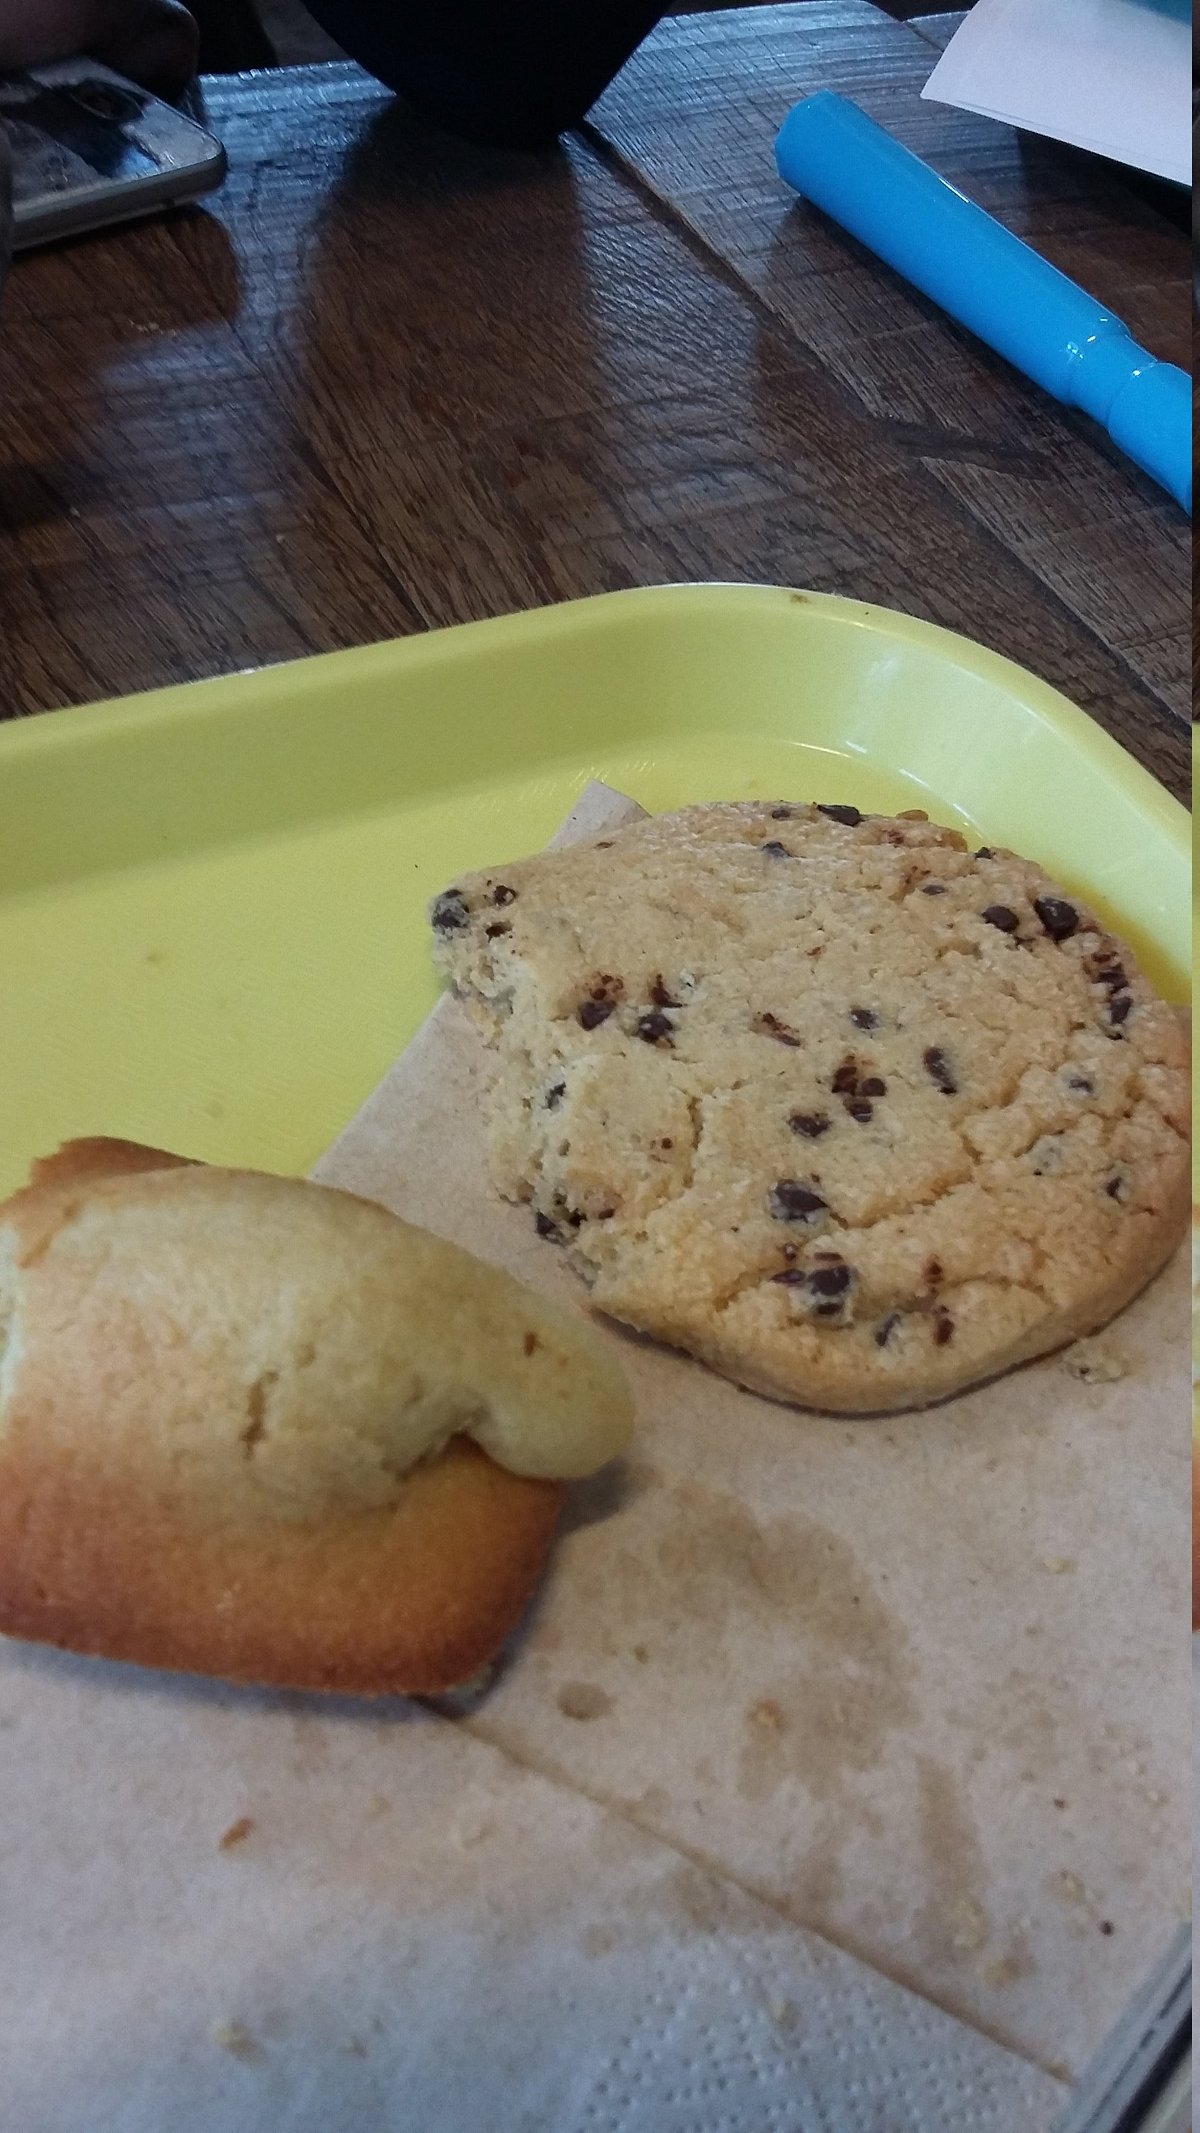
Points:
point(689, 116)
point(386, 381)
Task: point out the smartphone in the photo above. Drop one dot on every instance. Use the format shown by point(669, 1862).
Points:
point(90, 148)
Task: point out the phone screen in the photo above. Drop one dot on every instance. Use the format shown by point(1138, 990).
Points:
point(68, 134)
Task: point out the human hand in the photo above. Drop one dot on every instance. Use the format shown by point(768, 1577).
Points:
point(154, 42)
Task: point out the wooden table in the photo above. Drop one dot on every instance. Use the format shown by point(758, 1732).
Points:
point(387, 381)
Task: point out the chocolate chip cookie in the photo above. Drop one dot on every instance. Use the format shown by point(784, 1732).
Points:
point(855, 1114)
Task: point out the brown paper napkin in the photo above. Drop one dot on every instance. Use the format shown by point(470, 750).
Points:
point(223, 1911)
point(920, 1684)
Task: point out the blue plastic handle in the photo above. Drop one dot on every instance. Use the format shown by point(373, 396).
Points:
point(990, 281)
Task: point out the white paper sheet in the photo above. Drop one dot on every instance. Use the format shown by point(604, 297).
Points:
point(1113, 76)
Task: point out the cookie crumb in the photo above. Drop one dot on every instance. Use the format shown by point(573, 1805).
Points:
point(1004, 1970)
point(236, 1833)
point(969, 1928)
point(766, 1715)
point(235, 2039)
point(583, 1700)
point(1057, 1565)
point(473, 1832)
point(1095, 1362)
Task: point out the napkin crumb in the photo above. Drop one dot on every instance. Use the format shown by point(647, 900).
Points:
point(236, 1833)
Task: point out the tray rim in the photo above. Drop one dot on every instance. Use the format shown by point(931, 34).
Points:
point(209, 695)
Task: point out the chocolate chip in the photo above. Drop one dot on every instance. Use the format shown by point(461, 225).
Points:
point(546, 1228)
point(830, 1280)
point(848, 816)
point(874, 1085)
point(494, 932)
point(604, 845)
point(864, 1018)
point(1117, 1187)
point(939, 1070)
point(1119, 1007)
point(1059, 918)
point(530, 1344)
point(1109, 973)
point(775, 850)
point(860, 1109)
point(985, 852)
point(790, 1201)
point(451, 913)
point(605, 993)
point(999, 915)
point(781, 814)
point(502, 894)
point(886, 1327)
point(943, 1328)
point(666, 1142)
point(845, 1077)
point(826, 1288)
point(554, 1095)
point(932, 1274)
point(771, 1026)
point(933, 888)
point(660, 995)
point(810, 1125)
point(656, 1028)
point(1082, 1084)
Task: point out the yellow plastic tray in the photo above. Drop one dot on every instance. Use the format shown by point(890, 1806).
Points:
point(211, 898)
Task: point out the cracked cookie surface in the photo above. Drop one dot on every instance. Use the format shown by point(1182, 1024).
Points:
point(856, 1115)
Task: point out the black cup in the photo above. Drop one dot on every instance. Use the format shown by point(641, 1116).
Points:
point(515, 72)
